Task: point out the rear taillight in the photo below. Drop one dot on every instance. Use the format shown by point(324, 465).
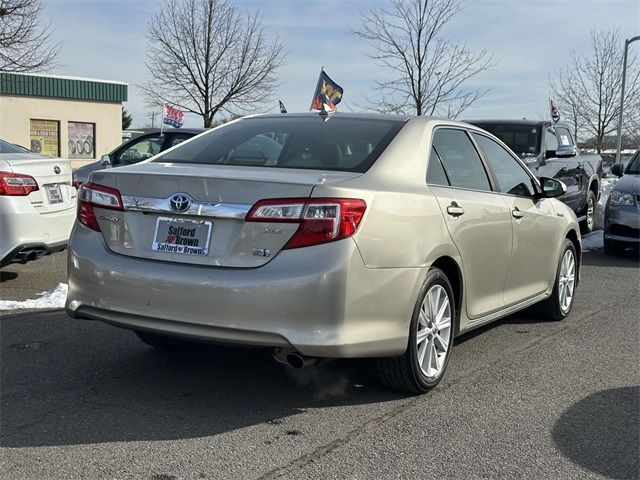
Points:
point(321, 220)
point(90, 196)
point(17, 184)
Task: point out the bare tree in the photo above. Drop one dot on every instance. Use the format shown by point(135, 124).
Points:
point(206, 57)
point(588, 88)
point(431, 70)
point(24, 41)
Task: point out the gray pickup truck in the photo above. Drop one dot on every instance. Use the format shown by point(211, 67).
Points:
point(549, 150)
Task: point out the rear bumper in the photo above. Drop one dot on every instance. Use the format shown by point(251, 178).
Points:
point(31, 251)
point(321, 301)
point(24, 230)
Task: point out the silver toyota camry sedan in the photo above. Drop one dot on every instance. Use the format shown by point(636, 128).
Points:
point(324, 236)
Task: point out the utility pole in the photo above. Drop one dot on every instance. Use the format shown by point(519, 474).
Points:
point(624, 77)
point(153, 119)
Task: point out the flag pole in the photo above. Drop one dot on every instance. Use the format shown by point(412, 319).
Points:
point(317, 87)
point(162, 121)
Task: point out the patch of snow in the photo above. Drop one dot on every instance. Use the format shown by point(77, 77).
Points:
point(593, 241)
point(50, 299)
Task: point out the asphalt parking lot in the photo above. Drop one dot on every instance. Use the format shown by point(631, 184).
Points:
point(522, 398)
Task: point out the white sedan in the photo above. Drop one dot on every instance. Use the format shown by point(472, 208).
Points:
point(37, 204)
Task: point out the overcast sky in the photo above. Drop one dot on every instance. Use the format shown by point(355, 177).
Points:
point(105, 39)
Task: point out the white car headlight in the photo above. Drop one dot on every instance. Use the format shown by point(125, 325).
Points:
point(622, 198)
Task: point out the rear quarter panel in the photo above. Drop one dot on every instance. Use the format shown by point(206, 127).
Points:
point(403, 225)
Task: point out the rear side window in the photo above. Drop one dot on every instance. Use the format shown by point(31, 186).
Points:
point(435, 171)
point(309, 142)
point(511, 176)
point(461, 161)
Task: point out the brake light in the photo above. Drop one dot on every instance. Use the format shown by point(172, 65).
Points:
point(92, 195)
point(321, 220)
point(17, 184)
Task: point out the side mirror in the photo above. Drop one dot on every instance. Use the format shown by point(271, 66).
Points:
point(549, 154)
point(617, 169)
point(552, 187)
point(566, 151)
point(105, 161)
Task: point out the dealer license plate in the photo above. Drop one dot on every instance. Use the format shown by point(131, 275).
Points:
point(54, 195)
point(186, 237)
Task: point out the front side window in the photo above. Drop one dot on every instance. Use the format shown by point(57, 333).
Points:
point(550, 140)
point(511, 176)
point(634, 164)
point(288, 141)
point(460, 159)
point(564, 136)
point(140, 150)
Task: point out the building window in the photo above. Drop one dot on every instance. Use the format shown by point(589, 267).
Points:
point(82, 140)
point(45, 137)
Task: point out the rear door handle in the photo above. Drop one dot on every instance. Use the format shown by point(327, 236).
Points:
point(517, 213)
point(455, 210)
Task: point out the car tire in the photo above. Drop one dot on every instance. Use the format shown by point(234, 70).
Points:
point(612, 248)
point(407, 373)
point(163, 342)
point(558, 305)
point(586, 226)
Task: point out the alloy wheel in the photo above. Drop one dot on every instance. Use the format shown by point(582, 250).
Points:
point(566, 281)
point(434, 331)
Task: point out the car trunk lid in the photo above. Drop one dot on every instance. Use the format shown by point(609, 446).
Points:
point(195, 213)
point(53, 176)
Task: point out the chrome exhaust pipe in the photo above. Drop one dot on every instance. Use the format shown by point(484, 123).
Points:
point(294, 359)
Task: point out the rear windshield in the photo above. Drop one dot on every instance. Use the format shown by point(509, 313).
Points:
point(316, 143)
point(522, 139)
point(10, 148)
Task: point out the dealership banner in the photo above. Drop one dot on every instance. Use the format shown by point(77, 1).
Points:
point(45, 137)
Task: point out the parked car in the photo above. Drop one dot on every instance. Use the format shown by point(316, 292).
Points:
point(37, 204)
point(367, 236)
point(138, 148)
point(622, 212)
point(549, 150)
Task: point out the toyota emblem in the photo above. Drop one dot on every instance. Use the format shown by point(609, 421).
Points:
point(180, 202)
point(56, 170)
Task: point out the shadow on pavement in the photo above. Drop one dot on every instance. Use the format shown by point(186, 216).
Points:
point(627, 259)
point(79, 382)
point(600, 433)
point(5, 275)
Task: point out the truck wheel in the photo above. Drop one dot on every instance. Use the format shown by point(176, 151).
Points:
point(586, 226)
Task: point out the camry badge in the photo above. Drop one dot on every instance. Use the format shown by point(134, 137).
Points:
point(57, 170)
point(180, 202)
